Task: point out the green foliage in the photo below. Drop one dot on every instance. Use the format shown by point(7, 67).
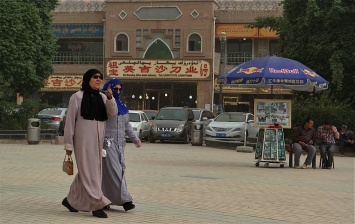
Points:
point(319, 107)
point(320, 34)
point(15, 117)
point(27, 45)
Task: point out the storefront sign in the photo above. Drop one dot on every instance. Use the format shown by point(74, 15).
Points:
point(236, 30)
point(82, 30)
point(241, 31)
point(158, 69)
point(63, 83)
point(269, 112)
point(267, 33)
point(242, 90)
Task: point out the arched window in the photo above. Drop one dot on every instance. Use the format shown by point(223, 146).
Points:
point(158, 50)
point(194, 42)
point(121, 42)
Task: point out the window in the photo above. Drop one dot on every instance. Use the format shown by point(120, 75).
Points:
point(273, 45)
point(194, 42)
point(121, 43)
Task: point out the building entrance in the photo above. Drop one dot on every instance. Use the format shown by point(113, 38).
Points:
point(153, 96)
point(157, 99)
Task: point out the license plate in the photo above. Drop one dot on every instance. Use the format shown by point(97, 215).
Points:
point(166, 135)
point(221, 135)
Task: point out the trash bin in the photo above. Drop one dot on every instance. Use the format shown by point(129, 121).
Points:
point(197, 133)
point(33, 131)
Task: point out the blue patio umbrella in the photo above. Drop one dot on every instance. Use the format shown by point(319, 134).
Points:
point(274, 72)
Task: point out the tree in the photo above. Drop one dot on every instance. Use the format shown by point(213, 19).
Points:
point(27, 45)
point(320, 34)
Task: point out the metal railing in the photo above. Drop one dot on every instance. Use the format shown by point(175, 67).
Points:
point(77, 58)
point(236, 58)
point(237, 5)
point(81, 6)
point(230, 5)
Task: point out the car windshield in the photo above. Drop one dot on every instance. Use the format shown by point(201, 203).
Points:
point(196, 114)
point(50, 112)
point(230, 118)
point(133, 117)
point(150, 114)
point(171, 114)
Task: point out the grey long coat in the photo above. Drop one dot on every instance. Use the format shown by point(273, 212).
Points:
point(113, 177)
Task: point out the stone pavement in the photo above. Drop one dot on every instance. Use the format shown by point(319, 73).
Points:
point(178, 183)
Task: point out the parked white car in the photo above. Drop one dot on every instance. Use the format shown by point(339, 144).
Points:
point(231, 125)
point(140, 123)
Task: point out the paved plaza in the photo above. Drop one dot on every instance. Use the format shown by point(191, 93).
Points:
point(178, 183)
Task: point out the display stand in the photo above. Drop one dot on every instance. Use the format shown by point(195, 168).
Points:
point(270, 147)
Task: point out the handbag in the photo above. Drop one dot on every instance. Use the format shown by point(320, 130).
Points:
point(68, 165)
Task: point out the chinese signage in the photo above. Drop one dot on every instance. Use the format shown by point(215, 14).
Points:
point(269, 112)
point(63, 82)
point(158, 69)
point(266, 32)
point(244, 90)
point(236, 30)
point(241, 31)
point(83, 30)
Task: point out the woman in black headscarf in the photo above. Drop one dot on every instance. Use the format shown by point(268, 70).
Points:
point(84, 133)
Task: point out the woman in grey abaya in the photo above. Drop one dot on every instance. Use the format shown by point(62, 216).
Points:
point(113, 175)
point(84, 134)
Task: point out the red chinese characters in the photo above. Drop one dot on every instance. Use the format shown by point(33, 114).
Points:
point(160, 69)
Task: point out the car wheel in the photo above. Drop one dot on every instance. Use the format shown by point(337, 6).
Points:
point(151, 139)
point(140, 135)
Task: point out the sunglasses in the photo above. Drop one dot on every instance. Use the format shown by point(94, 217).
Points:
point(117, 89)
point(97, 77)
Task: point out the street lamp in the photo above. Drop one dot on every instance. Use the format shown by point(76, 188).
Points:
point(223, 40)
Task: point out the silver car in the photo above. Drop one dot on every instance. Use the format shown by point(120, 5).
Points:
point(232, 125)
point(52, 116)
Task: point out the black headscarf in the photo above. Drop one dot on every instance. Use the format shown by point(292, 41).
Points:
point(92, 105)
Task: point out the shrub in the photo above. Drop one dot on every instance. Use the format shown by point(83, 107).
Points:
point(321, 107)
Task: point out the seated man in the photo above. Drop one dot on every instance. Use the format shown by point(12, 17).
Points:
point(303, 139)
point(346, 139)
point(327, 135)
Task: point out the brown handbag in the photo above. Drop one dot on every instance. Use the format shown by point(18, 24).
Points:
point(68, 165)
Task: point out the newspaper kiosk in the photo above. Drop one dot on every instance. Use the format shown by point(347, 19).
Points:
point(270, 146)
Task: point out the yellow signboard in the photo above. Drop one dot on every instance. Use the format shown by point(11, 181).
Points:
point(65, 82)
point(267, 33)
point(158, 69)
point(241, 31)
point(236, 30)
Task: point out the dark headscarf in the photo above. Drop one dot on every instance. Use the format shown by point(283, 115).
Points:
point(92, 105)
point(122, 108)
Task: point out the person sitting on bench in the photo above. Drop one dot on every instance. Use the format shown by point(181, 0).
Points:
point(303, 139)
point(347, 139)
point(327, 135)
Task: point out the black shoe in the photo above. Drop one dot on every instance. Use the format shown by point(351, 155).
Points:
point(107, 207)
point(68, 206)
point(99, 213)
point(128, 206)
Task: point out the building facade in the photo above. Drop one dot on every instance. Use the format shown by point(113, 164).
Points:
point(167, 53)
